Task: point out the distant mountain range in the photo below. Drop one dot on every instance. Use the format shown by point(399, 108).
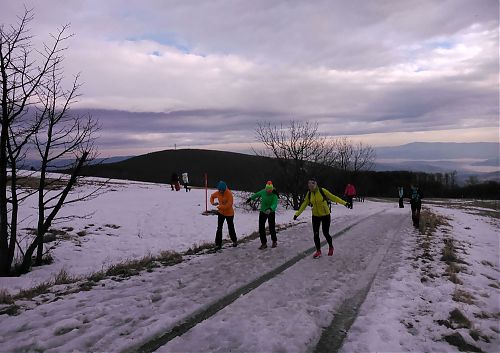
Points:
point(480, 159)
point(441, 151)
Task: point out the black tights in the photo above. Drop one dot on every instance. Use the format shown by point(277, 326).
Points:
point(324, 221)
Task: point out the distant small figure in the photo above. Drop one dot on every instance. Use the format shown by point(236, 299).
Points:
point(174, 182)
point(401, 194)
point(350, 193)
point(185, 181)
point(225, 212)
point(416, 197)
point(268, 204)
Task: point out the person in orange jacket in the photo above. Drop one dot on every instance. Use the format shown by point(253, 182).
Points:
point(225, 212)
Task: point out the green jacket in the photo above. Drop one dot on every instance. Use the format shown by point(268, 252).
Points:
point(319, 204)
point(268, 200)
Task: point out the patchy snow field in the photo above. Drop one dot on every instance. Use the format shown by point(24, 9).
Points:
point(416, 308)
point(128, 221)
point(412, 304)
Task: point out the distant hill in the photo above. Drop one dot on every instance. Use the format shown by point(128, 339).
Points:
point(492, 162)
point(239, 171)
point(248, 172)
point(440, 150)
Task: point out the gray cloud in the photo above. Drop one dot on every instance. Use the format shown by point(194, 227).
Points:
point(203, 72)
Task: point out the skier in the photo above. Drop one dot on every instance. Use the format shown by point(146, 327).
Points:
point(401, 193)
point(174, 182)
point(349, 193)
point(225, 212)
point(185, 181)
point(416, 197)
point(268, 205)
point(317, 198)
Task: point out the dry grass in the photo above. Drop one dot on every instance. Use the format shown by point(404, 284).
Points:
point(459, 320)
point(31, 293)
point(5, 297)
point(429, 222)
point(449, 252)
point(456, 339)
point(63, 277)
point(464, 297)
point(148, 262)
point(33, 183)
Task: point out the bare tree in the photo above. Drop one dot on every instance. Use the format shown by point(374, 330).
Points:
point(344, 154)
point(297, 147)
point(62, 135)
point(30, 94)
point(363, 157)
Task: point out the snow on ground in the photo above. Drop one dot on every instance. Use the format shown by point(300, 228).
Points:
point(401, 314)
point(130, 220)
point(288, 313)
point(116, 316)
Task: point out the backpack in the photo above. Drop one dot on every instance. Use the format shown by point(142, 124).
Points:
point(415, 195)
point(308, 197)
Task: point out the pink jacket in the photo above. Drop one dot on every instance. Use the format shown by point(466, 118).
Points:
point(350, 190)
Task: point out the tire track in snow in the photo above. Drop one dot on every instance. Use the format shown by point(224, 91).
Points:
point(220, 304)
point(333, 336)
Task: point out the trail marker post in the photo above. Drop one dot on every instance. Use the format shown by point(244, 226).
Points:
point(206, 193)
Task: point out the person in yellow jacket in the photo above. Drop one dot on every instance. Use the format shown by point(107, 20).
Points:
point(318, 198)
point(225, 212)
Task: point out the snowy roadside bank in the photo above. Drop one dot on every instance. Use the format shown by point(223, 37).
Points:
point(437, 301)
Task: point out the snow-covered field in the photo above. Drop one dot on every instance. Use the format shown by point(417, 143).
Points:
point(296, 299)
point(128, 221)
point(410, 312)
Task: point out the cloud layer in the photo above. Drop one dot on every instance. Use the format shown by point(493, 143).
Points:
point(203, 72)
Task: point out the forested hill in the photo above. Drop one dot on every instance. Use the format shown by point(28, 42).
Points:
point(240, 171)
point(250, 173)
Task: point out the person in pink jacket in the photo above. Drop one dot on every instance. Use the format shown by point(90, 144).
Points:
point(350, 193)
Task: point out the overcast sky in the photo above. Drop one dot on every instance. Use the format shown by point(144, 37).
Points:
point(202, 73)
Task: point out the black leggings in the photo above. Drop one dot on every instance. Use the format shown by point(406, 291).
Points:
point(230, 226)
point(324, 221)
point(263, 217)
point(415, 212)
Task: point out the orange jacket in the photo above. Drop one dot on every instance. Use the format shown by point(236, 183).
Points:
point(225, 199)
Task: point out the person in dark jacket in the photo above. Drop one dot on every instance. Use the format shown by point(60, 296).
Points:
point(268, 204)
point(174, 182)
point(416, 196)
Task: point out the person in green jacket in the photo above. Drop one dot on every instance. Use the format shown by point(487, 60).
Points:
point(318, 198)
point(268, 204)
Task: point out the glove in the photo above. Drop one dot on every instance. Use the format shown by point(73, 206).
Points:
point(267, 211)
point(248, 200)
point(295, 217)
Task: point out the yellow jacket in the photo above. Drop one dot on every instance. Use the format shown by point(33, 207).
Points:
point(319, 204)
point(225, 199)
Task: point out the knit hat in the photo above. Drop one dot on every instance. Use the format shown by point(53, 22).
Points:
point(221, 186)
